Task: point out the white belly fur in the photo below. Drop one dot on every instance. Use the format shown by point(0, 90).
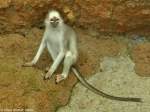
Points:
point(53, 43)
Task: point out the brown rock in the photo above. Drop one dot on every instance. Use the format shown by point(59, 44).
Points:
point(101, 15)
point(4, 3)
point(141, 57)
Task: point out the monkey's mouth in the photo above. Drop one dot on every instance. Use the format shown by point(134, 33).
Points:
point(54, 24)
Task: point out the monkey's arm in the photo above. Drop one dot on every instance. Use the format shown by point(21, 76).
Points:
point(39, 52)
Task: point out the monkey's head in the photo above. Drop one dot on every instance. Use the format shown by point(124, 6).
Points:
point(54, 19)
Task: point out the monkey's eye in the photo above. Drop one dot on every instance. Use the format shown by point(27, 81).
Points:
point(54, 19)
point(57, 19)
point(51, 20)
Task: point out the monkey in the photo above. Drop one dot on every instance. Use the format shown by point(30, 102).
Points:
point(61, 41)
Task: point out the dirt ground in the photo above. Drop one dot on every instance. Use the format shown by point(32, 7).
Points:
point(22, 87)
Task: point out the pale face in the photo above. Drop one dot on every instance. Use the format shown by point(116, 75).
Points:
point(54, 19)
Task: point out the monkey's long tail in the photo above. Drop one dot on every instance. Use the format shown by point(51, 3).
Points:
point(93, 89)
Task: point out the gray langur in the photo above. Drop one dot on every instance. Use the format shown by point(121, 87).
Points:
point(60, 40)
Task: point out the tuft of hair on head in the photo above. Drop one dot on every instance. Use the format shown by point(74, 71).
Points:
point(53, 13)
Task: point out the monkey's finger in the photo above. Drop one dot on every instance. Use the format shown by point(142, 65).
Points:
point(27, 65)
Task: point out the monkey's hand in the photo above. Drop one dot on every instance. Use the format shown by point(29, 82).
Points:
point(48, 75)
point(28, 64)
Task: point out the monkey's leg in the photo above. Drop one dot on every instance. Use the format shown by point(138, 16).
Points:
point(68, 62)
point(55, 65)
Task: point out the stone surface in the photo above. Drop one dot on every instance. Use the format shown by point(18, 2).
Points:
point(141, 57)
point(100, 15)
point(117, 78)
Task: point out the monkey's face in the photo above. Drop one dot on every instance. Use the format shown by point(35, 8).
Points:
point(54, 19)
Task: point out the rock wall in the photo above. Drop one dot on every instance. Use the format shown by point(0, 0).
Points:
point(116, 16)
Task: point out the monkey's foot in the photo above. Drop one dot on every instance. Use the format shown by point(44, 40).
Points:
point(28, 64)
point(59, 78)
